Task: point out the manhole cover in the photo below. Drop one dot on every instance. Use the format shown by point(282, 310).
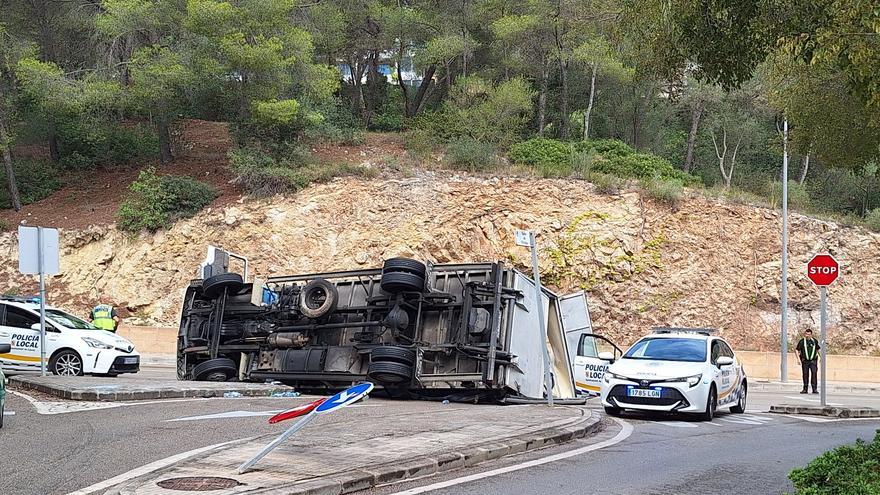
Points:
point(198, 483)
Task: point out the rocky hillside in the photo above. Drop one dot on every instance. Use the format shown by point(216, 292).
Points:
point(705, 263)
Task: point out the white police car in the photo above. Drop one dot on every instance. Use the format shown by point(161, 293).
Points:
point(73, 346)
point(676, 370)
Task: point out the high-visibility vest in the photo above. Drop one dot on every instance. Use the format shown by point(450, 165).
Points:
point(102, 317)
point(810, 350)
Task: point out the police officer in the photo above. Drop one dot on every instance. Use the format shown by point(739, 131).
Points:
point(808, 355)
point(104, 317)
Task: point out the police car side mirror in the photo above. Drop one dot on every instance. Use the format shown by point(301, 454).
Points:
point(35, 326)
point(606, 356)
point(5, 348)
point(724, 361)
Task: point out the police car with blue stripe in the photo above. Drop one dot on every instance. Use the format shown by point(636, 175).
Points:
point(676, 370)
point(73, 346)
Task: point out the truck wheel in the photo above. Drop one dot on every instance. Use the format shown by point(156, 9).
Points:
point(393, 354)
point(212, 287)
point(215, 370)
point(318, 298)
point(66, 363)
point(389, 372)
point(405, 265)
point(395, 282)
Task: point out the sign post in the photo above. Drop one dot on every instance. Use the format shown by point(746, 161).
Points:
point(38, 255)
point(823, 270)
point(526, 238)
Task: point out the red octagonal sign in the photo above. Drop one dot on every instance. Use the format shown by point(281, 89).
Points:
point(823, 269)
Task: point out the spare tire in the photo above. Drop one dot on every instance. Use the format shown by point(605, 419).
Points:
point(212, 287)
point(405, 265)
point(318, 298)
point(395, 282)
point(394, 354)
point(215, 370)
point(388, 372)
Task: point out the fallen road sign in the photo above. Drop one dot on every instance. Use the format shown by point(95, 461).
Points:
point(344, 398)
point(295, 412)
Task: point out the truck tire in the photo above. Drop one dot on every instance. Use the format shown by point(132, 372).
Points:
point(389, 372)
point(182, 372)
point(215, 370)
point(405, 265)
point(318, 298)
point(393, 354)
point(212, 287)
point(394, 282)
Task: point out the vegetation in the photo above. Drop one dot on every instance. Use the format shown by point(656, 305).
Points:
point(155, 202)
point(847, 470)
point(36, 180)
point(665, 93)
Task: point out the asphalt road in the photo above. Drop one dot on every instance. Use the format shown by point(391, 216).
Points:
point(81, 444)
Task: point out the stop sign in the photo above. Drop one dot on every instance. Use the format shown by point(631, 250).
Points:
point(823, 269)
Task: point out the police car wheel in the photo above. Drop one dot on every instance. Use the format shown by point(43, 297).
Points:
point(66, 363)
point(711, 405)
point(613, 411)
point(740, 406)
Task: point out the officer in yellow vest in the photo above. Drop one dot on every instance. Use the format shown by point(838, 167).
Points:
point(808, 355)
point(104, 317)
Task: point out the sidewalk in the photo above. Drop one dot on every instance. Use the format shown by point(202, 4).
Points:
point(763, 385)
point(372, 444)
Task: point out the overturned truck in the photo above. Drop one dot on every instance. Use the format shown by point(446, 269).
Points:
point(415, 330)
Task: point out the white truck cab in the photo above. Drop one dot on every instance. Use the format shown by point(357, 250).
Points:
point(73, 346)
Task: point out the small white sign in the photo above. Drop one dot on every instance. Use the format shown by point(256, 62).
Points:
point(523, 238)
point(29, 249)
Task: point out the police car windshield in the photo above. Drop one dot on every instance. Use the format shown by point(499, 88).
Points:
point(668, 349)
point(68, 320)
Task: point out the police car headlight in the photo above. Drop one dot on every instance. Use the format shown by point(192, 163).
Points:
point(97, 344)
point(608, 376)
point(692, 381)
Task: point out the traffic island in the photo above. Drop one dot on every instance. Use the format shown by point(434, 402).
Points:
point(376, 443)
point(91, 388)
point(827, 411)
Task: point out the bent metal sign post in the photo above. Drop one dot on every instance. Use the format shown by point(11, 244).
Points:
point(823, 270)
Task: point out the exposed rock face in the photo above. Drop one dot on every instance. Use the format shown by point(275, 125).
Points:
point(643, 264)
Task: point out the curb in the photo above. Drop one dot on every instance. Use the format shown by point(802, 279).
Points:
point(838, 389)
point(105, 394)
point(833, 412)
point(367, 477)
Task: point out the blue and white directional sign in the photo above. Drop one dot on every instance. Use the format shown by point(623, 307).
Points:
point(344, 398)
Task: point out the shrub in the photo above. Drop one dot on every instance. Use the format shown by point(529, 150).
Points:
point(582, 163)
point(850, 469)
point(608, 148)
point(872, 219)
point(85, 144)
point(155, 202)
point(419, 142)
point(337, 125)
point(36, 179)
point(798, 195)
point(540, 151)
point(644, 166)
point(667, 191)
point(607, 183)
point(469, 154)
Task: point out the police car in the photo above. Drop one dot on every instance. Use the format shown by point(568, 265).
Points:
point(73, 346)
point(676, 370)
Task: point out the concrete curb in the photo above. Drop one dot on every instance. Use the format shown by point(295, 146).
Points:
point(366, 477)
point(833, 412)
point(757, 386)
point(123, 392)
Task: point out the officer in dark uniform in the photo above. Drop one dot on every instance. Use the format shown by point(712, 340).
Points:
point(808, 355)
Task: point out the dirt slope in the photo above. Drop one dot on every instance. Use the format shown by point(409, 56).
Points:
point(706, 263)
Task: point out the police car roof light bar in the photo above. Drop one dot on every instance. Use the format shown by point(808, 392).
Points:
point(703, 331)
point(20, 299)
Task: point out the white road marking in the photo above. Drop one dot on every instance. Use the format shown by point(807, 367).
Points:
point(817, 419)
point(625, 432)
point(230, 414)
point(712, 423)
point(754, 417)
point(815, 401)
point(149, 468)
point(741, 421)
point(677, 424)
point(78, 406)
point(9, 413)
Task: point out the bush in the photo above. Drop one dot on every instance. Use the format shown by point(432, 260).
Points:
point(872, 219)
point(540, 151)
point(644, 166)
point(419, 142)
point(469, 154)
point(798, 195)
point(36, 179)
point(607, 183)
point(84, 145)
point(337, 125)
point(667, 191)
point(847, 470)
point(582, 163)
point(156, 202)
point(608, 148)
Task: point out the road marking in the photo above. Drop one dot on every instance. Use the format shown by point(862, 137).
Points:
point(741, 421)
point(815, 401)
point(79, 406)
point(677, 424)
point(9, 413)
point(816, 419)
point(230, 414)
point(712, 423)
point(149, 468)
point(623, 434)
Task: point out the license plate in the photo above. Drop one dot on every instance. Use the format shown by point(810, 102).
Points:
point(644, 392)
point(131, 360)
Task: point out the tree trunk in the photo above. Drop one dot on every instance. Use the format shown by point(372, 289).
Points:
point(804, 169)
point(163, 129)
point(563, 72)
point(419, 100)
point(696, 115)
point(590, 104)
point(14, 197)
point(372, 75)
point(542, 97)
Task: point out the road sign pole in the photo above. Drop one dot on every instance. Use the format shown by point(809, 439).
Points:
point(823, 337)
point(783, 366)
point(539, 296)
point(42, 301)
point(269, 448)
